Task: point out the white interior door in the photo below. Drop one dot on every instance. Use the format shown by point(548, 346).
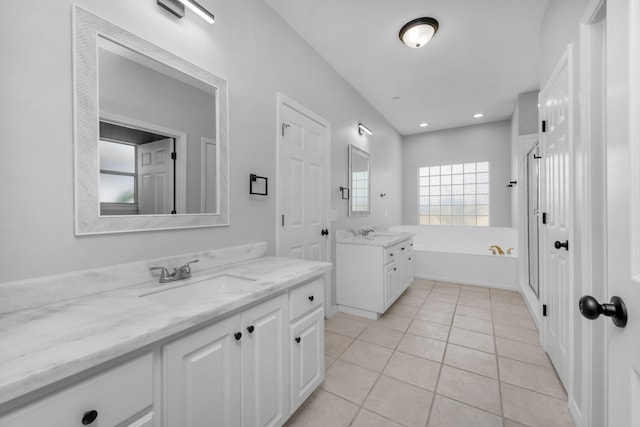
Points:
point(556, 145)
point(155, 177)
point(302, 185)
point(209, 176)
point(623, 208)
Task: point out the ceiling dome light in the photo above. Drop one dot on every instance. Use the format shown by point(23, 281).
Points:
point(424, 125)
point(478, 115)
point(418, 32)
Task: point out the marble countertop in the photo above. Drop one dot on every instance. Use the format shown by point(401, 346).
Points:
point(45, 344)
point(384, 239)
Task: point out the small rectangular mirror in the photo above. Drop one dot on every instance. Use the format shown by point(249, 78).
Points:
point(360, 182)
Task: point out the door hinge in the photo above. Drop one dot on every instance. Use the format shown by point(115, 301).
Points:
point(174, 156)
point(544, 310)
point(544, 217)
point(544, 126)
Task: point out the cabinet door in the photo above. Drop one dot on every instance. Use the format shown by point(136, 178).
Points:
point(307, 357)
point(265, 377)
point(390, 284)
point(202, 377)
point(144, 421)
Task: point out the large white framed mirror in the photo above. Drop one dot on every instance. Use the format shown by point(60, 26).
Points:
point(360, 182)
point(151, 135)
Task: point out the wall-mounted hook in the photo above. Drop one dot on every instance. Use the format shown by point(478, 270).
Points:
point(512, 183)
point(383, 194)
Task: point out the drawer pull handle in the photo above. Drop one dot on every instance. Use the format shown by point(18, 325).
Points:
point(297, 339)
point(311, 298)
point(237, 336)
point(89, 417)
point(250, 329)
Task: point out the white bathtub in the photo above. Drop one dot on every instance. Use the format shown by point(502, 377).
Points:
point(462, 255)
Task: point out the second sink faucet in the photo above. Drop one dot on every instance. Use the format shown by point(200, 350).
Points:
point(182, 272)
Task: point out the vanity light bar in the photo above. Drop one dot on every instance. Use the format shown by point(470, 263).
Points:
point(176, 7)
point(199, 10)
point(362, 129)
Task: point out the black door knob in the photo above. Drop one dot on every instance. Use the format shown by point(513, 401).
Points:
point(89, 417)
point(250, 329)
point(238, 335)
point(592, 309)
point(311, 298)
point(297, 339)
point(564, 244)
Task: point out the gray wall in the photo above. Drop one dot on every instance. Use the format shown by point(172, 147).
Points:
point(489, 141)
point(528, 113)
point(250, 46)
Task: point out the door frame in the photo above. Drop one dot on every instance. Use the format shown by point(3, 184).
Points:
point(281, 101)
point(591, 410)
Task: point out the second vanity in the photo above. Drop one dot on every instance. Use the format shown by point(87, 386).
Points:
point(372, 269)
point(247, 354)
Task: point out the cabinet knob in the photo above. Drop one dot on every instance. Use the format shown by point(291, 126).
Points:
point(395, 269)
point(89, 417)
point(391, 254)
point(311, 298)
point(250, 329)
point(402, 249)
point(409, 259)
point(297, 339)
point(238, 335)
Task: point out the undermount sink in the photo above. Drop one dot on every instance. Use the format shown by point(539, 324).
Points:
point(182, 293)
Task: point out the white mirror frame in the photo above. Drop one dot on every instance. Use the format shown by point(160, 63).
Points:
point(353, 151)
point(87, 28)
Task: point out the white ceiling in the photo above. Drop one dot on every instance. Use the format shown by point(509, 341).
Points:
point(484, 54)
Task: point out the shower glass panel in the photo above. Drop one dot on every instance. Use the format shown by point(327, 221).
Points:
point(533, 213)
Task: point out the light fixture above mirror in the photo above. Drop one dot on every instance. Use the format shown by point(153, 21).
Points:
point(176, 7)
point(418, 32)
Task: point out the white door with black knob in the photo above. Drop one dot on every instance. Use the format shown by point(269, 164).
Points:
point(623, 216)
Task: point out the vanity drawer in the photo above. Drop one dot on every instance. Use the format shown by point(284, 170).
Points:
point(306, 298)
point(389, 254)
point(117, 395)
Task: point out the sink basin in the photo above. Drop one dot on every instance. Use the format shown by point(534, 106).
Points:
point(182, 293)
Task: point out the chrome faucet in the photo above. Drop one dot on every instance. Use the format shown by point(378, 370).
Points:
point(367, 231)
point(182, 272)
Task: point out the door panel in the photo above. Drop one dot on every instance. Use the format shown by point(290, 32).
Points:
point(302, 185)
point(555, 100)
point(623, 208)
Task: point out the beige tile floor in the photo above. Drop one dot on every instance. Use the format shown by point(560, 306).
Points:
point(443, 355)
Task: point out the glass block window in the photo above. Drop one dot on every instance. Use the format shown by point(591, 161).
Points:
point(360, 191)
point(454, 194)
point(117, 172)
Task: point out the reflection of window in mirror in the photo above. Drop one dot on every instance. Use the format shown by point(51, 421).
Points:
point(360, 176)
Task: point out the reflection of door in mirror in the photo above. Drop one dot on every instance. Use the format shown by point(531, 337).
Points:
point(144, 95)
point(137, 171)
point(359, 172)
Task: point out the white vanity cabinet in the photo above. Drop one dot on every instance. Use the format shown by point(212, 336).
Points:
point(231, 373)
point(122, 396)
point(306, 340)
point(371, 277)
